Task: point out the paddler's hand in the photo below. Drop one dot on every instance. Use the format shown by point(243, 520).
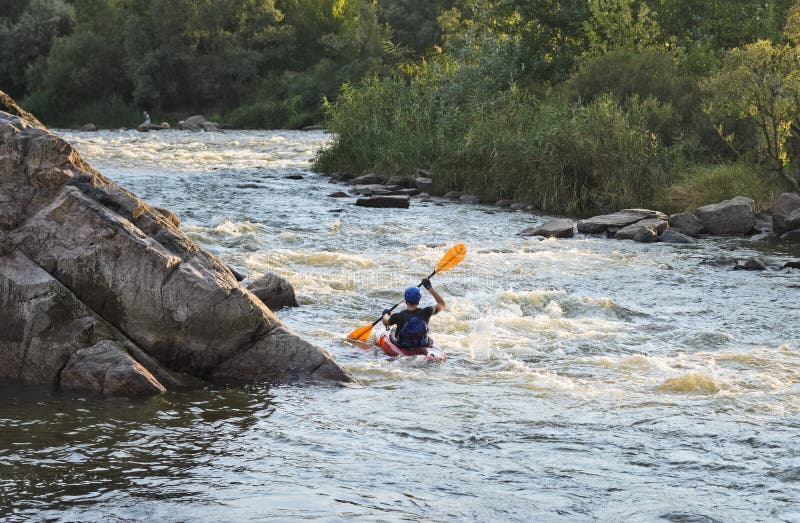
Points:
point(426, 283)
point(386, 312)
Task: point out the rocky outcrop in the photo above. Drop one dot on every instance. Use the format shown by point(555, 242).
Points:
point(734, 216)
point(274, 291)
point(785, 205)
point(687, 223)
point(560, 228)
point(99, 291)
point(617, 220)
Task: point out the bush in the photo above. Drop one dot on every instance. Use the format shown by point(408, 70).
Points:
point(714, 183)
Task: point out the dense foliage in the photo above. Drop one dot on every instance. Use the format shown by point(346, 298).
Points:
point(592, 105)
point(570, 105)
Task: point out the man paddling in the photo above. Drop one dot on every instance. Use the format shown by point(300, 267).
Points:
point(412, 323)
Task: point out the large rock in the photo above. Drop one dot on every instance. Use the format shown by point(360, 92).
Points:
point(791, 236)
point(785, 205)
point(89, 128)
point(560, 228)
point(274, 291)
point(617, 220)
point(398, 202)
point(644, 231)
point(198, 123)
point(100, 292)
point(734, 216)
point(687, 223)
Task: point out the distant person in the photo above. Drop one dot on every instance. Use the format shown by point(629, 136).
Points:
point(146, 117)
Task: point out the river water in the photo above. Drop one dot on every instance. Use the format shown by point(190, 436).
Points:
point(588, 379)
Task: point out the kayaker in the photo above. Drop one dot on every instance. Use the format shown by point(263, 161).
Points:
point(412, 323)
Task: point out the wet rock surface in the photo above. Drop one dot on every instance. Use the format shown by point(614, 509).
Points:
point(102, 292)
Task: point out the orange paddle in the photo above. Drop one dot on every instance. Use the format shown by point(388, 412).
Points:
point(451, 258)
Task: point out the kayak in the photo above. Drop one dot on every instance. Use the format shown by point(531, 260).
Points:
point(433, 353)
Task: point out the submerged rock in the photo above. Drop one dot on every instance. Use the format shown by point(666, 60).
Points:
point(752, 264)
point(100, 292)
point(781, 208)
point(734, 216)
point(198, 123)
point(673, 236)
point(146, 127)
point(274, 291)
point(88, 128)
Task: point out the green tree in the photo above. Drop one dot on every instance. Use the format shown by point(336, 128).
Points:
point(620, 24)
point(760, 83)
point(28, 31)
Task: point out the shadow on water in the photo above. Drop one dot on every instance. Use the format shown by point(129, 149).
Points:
point(68, 450)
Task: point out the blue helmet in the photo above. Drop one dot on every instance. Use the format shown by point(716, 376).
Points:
point(413, 295)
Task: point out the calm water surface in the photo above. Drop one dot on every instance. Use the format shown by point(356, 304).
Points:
point(587, 379)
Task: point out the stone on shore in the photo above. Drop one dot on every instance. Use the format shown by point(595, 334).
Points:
point(367, 179)
point(424, 184)
point(673, 236)
point(730, 217)
point(453, 195)
point(793, 221)
point(274, 291)
point(687, 223)
point(397, 202)
point(644, 231)
point(504, 203)
point(781, 208)
point(470, 198)
point(559, 228)
point(338, 194)
point(100, 292)
point(88, 128)
point(791, 236)
point(618, 220)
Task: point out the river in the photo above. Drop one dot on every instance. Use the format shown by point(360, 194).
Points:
point(588, 379)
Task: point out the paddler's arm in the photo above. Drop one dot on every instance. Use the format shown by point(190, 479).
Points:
point(440, 303)
point(386, 317)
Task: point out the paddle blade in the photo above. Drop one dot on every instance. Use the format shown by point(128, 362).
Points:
point(452, 258)
point(361, 333)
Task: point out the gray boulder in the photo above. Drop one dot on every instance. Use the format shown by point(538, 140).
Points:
point(424, 184)
point(618, 220)
point(781, 208)
point(791, 236)
point(644, 231)
point(504, 203)
point(470, 198)
point(274, 291)
point(752, 264)
point(673, 236)
point(398, 202)
point(453, 195)
point(559, 228)
point(338, 194)
point(100, 292)
point(518, 206)
point(734, 216)
point(88, 128)
point(792, 265)
point(198, 123)
point(398, 180)
point(687, 223)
